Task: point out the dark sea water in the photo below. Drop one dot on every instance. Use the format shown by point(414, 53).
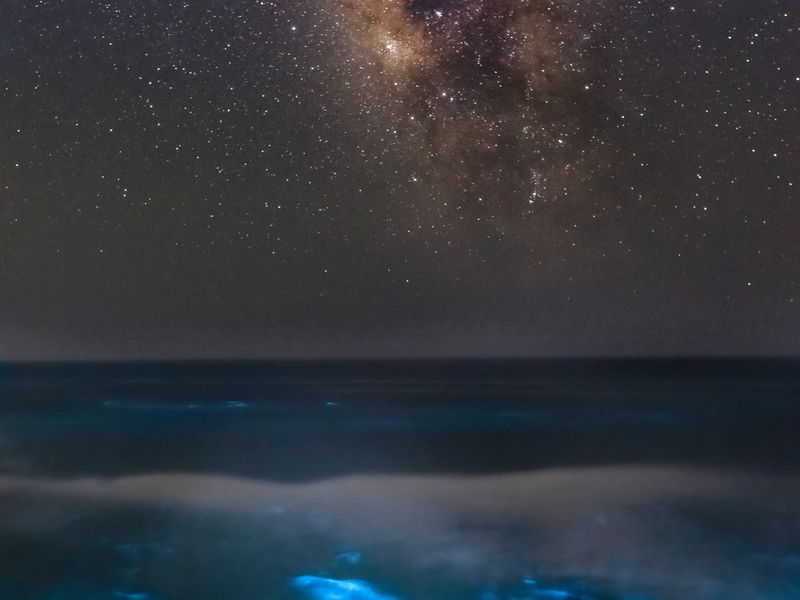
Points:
point(504, 480)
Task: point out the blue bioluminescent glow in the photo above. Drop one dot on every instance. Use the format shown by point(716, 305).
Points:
point(350, 558)
point(555, 595)
point(323, 588)
point(132, 596)
point(534, 591)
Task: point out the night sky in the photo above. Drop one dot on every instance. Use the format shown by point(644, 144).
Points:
point(382, 178)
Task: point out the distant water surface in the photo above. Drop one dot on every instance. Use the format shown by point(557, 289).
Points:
point(483, 480)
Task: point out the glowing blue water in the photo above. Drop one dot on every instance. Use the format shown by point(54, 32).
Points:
point(323, 588)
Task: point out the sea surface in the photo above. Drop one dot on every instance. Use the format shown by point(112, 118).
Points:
point(427, 480)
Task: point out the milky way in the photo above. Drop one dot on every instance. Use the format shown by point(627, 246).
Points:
point(495, 94)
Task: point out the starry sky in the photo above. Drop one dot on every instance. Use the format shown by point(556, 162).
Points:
point(399, 178)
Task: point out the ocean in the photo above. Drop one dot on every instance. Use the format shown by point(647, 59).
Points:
point(405, 480)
